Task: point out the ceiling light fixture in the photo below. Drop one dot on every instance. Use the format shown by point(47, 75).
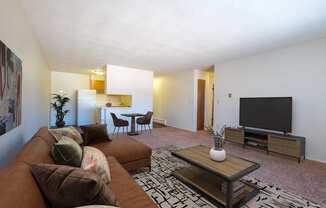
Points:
point(98, 72)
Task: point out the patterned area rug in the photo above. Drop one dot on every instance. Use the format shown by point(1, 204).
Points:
point(169, 192)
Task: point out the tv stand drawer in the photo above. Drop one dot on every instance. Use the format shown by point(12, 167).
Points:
point(284, 146)
point(234, 135)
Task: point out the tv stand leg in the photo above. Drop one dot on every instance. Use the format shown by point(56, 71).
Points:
point(300, 159)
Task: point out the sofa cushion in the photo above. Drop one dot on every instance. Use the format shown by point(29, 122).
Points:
point(128, 192)
point(66, 186)
point(94, 160)
point(19, 189)
point(67, 152)
point(125, 149)
point(95, 133)
point(70, 131)
point(35, 151)
point(45, 134)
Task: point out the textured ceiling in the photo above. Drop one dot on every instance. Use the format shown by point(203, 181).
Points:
point(167, 35)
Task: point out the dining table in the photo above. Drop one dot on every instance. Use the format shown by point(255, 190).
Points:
point(133, 117)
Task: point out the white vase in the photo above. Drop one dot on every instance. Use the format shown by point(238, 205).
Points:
point(217, 155)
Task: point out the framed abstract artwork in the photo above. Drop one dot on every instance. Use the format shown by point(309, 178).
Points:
point(10, 89)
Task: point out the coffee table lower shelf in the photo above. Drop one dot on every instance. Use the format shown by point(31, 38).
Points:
point(208, 184)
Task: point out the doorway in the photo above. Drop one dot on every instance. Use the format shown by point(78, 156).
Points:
point(204, 99)
point(201, 85)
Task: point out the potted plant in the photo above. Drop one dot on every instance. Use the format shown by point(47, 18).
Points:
point(58, 105)
point(217, 153)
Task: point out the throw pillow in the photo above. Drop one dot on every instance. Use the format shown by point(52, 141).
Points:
point(66, 186)
point(70, 131)
point(94, 160)
point(67, 152)
point(95, 133)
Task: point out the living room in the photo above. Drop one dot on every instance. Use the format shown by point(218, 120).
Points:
point(237, 89)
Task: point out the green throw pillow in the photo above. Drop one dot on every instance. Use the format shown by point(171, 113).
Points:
point(67, 152)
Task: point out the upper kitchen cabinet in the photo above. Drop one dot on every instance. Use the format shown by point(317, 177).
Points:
point(98, 83)
point(128, 81)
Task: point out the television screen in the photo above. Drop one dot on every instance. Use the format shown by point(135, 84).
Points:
point(274, 113)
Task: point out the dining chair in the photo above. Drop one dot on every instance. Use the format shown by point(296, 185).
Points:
point(117, 122)
point(145, 121)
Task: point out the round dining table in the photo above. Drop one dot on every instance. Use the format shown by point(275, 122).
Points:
point(133, 116)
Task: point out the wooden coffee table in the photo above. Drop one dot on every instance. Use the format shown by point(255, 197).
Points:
point(208, 176)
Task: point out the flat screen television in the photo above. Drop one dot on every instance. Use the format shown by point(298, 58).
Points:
point(270, 113)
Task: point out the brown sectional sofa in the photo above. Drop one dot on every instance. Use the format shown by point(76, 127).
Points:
point(19, 189)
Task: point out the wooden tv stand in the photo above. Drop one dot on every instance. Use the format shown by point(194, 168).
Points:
point(289, 145)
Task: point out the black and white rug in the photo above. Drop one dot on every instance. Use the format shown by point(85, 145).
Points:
point(169, 192)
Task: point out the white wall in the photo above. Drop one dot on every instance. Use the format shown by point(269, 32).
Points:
point(16, 33)
point(298, 71)
point(174, 99)
point(68, 83)
point(129, 81)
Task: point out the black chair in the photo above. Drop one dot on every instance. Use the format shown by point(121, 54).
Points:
point(119, 123)
point(145, 121)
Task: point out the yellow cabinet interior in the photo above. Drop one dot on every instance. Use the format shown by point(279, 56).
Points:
point(98, 85)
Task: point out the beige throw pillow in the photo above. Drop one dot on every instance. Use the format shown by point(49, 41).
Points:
point(95, 160)
point(67, 131)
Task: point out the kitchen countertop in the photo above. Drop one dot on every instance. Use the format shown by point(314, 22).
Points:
point(115, 106)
